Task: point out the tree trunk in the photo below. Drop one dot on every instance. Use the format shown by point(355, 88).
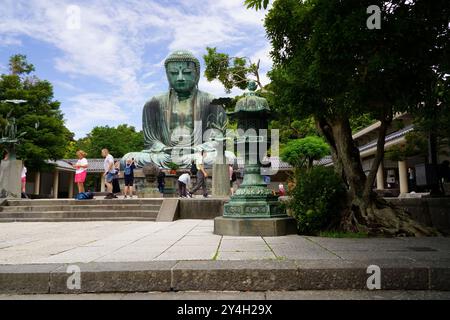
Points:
point(366, 212)
point(325, 129)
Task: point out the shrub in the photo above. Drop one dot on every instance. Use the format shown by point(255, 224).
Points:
point(316, 199)
point(304, 151)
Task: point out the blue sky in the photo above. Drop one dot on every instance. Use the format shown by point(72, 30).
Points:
point(107, 61)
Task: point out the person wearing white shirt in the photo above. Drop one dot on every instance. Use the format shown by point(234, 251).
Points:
point(81, 170)
point(183, 181)
point(109, 173)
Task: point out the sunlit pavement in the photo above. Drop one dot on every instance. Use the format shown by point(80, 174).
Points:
point(103, 241)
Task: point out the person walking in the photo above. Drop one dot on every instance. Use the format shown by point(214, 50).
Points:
point(109, 173)
point(202, 175)
point(81, 170)
point(128, 174)
point(183, 181)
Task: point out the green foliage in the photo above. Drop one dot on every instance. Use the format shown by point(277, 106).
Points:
point(293, 129)
point(40, 118)
point(173, 166)
point(316, 200)
point(416, 145)
point(328, 63)
point(119, 141)
point(304, 151)
point(257, 4)
point(18, 65)
point(230, 71)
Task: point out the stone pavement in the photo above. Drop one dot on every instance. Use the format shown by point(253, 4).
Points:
point(103, 241)
point(234, 295)
point(185, 255)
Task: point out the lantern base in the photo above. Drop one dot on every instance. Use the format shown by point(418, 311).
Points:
point(266, 227)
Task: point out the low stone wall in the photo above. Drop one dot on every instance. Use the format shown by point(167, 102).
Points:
point(201, 208)
point(432, 212)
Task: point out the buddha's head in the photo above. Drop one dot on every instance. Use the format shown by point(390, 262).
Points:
point(183, 71)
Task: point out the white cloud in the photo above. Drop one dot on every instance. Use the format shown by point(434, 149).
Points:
point(66, 85)
point(216, 88)
point(94, 110)
point(10, 41)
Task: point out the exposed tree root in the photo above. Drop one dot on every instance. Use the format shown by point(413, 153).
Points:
point(379, 218)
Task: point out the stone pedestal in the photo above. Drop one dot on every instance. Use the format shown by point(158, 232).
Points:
point(264, 227)
point(220, 180)
point(149, 192)
point(171, 186)
point(10, 179)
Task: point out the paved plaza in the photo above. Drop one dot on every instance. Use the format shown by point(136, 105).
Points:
point(231, 295)
point(103, 241)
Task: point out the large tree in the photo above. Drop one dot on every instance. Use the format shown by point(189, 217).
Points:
point(328, 64)
point(118, 140)
point(39, 117)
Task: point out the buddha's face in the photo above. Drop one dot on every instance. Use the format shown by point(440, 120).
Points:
point(182, 76)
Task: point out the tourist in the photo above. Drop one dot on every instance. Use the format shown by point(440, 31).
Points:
point(161, 181)
point(281, 190)
point(183, 181)
point(128, 175)
point(5, 155)
point(411, 180)
point(109, 173)
point(23, 178)
point(194, 170)
point(232, 178)
point(81, 170)
point(115, 182)
point(202, 175)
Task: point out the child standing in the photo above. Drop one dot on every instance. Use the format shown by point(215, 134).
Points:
point(128, 175)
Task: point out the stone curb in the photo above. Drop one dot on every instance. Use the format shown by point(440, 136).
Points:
point(254, 275)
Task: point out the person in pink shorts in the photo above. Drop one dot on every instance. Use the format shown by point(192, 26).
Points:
point(81, 170)
point(24, 179)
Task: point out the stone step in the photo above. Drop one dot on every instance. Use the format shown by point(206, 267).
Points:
point(130, 218)
point(81, 214)
point(252, 275)
point(77, 207)
point(56, 202)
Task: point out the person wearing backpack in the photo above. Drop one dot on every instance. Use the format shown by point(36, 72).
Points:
point(128, 174)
